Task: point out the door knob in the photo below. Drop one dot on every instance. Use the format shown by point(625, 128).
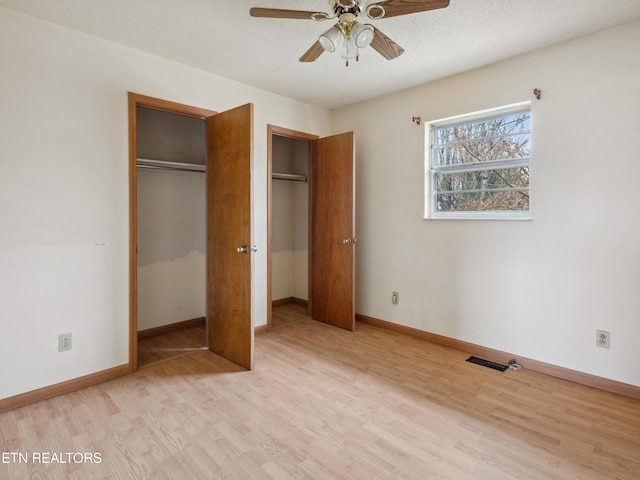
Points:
point(347, 241)
point(246, 249)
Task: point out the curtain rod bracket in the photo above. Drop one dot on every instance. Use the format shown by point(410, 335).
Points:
point(537, 92)
point(416, 120)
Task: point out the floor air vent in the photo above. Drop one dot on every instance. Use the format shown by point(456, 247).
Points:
point(487, 363)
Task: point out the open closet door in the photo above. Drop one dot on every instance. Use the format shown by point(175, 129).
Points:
point(333, 231)
point(229, 247)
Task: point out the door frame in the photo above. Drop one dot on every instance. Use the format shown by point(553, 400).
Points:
point(136, 100)
point(273, 130)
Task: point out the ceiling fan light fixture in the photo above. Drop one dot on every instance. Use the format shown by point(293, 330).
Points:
point(362, 34)
point(329, 39)
point(348, 35)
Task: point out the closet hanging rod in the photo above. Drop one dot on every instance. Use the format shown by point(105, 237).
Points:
point(289, 176)
point(161, 164)
point(172, 169)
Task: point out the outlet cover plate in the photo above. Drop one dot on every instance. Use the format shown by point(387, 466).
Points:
point(65, 342)
point(395, 298)
point(603, 339)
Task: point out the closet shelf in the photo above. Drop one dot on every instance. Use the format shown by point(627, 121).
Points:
point(289, 176)
point(165, 165)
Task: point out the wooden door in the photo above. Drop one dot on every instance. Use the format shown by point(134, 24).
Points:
point(229, 236)
point(332, 236)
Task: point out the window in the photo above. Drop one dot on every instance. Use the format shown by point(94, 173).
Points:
point(478, 165)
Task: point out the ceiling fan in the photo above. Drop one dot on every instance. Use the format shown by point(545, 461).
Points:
point(348, 33)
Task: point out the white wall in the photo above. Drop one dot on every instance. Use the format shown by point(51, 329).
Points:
point(539, 289)
point(64, 191)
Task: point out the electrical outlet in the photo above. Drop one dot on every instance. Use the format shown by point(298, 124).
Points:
point(64, 342)
point(395, 298)
point(603, 339)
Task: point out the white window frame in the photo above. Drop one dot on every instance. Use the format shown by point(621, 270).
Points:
point(430, 206)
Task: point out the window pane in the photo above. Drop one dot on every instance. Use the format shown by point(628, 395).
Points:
point(502, 201)
point(497, 138)
point(483, 191)
point(483, 179)
point(507, 124)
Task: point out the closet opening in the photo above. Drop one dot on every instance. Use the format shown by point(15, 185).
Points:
point(311, 258)
point(171, 168)
point(168, 145)
point(289, 182)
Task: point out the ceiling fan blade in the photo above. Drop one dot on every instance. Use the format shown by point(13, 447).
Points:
point(313, 53)
point(385, 46)
point(395, 8)
point(277, 13)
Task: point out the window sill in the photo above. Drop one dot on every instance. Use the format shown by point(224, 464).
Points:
point(481, 216)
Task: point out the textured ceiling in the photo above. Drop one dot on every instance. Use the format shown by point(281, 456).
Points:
point(219, 36)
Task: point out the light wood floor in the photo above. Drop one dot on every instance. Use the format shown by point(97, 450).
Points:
point(286, 314)
point(171, 345)
point(175, 344)
point(323, 403)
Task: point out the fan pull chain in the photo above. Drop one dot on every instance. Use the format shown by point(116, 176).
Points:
point(357, 60)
